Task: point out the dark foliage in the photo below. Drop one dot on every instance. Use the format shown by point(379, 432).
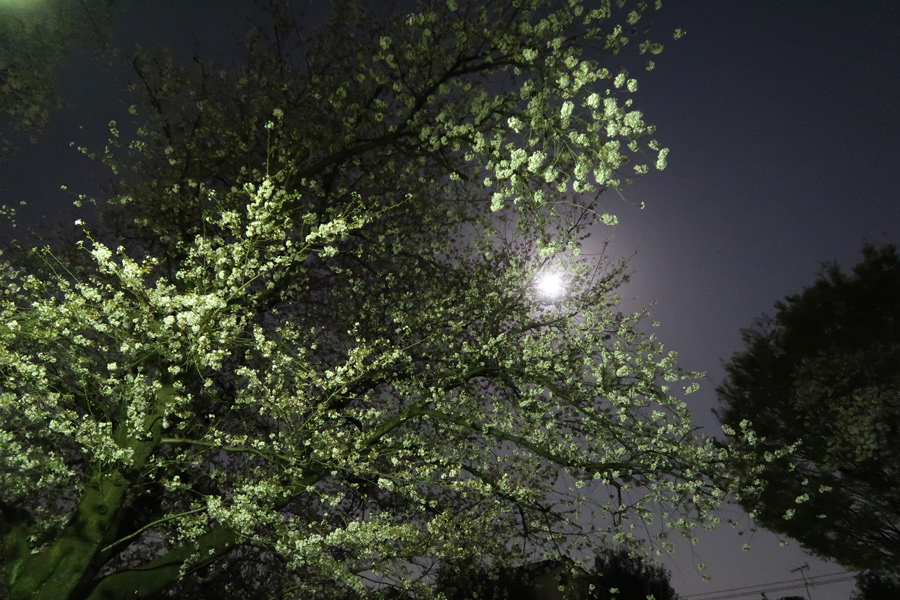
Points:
point(635, 579)
point(824, 372)
point(871, 586)
point(616, 575)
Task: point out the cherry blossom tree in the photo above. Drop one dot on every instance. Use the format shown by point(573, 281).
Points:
point(301, 351)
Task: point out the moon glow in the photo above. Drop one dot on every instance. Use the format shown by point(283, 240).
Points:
point(551, 285)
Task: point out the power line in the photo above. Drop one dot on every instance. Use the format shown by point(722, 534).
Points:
point(767, 587)
point(754, 590)
point(781, 589)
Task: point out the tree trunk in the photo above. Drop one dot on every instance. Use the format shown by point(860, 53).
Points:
point(54, 573)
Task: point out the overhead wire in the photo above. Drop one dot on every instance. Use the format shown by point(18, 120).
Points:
point(775, 586)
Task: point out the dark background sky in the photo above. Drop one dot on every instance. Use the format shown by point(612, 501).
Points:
point(783, 120)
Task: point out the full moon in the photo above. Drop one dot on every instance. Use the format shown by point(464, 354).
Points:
point(551, 285)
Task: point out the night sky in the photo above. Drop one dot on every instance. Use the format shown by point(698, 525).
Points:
point(783, 120)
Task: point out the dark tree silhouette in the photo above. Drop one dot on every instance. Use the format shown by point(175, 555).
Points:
point(872, 586)
point(616, 575)
point(824, 373)
point(632, 577)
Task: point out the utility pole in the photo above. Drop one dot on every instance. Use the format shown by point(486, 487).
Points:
point(805, 566)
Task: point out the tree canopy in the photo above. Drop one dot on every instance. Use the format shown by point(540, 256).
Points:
point(824, 373)
point(620, 575)
point(872, 586)
point(300, 350)
point(615, 575)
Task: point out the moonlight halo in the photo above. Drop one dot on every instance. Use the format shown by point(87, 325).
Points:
point(551, 285)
